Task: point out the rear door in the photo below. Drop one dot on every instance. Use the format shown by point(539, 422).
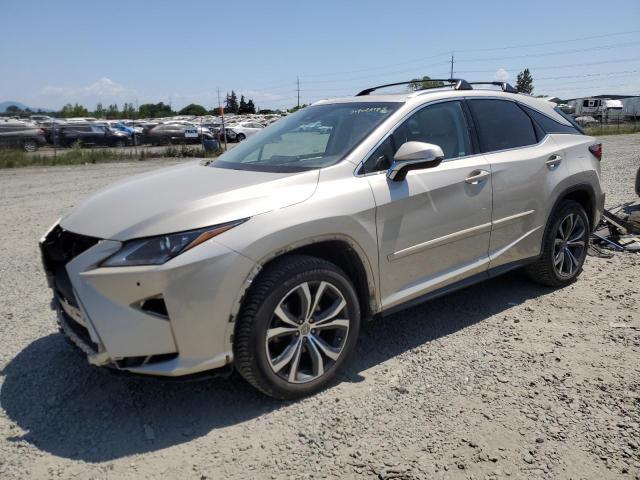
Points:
point(433, 227)
point(526, 164)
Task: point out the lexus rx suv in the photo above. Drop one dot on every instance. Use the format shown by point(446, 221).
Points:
point(269, 258)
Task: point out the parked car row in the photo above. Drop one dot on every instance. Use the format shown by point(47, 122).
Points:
point(41, 130)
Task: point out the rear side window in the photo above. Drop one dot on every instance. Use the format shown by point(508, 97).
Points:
point(501, 125)
point(549, 125)
point(570, 119)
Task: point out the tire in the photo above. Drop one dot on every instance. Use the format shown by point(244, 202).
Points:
point(240, 137)
point(564, 247)
point(638, 182)
point(281, 286)
point(29, 145)
point(120, 144)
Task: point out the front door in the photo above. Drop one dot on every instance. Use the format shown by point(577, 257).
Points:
point(434, 226)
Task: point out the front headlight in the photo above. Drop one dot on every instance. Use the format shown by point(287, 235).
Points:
point(161, 249)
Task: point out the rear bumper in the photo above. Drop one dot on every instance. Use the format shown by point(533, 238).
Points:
point(102, 310)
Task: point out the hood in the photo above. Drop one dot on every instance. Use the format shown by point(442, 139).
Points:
point(185, 197)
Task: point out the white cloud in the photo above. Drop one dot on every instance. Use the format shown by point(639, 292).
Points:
point(101, 88)
point(501, 75)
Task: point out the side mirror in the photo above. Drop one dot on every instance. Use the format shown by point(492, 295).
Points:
point(414, 156)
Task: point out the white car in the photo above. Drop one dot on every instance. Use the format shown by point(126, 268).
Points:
point(268, 259)
point(244, 129)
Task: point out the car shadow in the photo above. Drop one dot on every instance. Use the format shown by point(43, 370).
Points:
point(73, 410)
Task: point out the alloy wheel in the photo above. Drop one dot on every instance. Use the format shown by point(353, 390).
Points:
point(569, 245)
point(30, 145)
point(307, 332)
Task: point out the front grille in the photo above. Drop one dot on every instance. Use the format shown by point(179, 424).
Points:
point(58, 248)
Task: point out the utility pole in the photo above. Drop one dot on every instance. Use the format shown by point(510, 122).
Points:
point(451, 75)
point(298, 85)
point(224, 132)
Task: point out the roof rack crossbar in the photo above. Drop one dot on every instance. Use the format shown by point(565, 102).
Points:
point(506, 87)
point(456, 83)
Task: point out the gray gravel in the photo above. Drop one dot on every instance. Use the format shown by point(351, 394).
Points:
point(502, 380)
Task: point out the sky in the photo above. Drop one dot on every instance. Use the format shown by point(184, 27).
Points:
point(52, 53)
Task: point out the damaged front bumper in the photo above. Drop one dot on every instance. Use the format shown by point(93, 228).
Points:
point(168, 320)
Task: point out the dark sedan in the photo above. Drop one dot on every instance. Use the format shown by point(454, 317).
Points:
point(89, 134)
point(171, 133)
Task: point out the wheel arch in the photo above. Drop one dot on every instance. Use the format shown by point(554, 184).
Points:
point(585, 195)
point(340, 250)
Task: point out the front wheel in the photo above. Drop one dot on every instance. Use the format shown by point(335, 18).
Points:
point(299, 323)
point(240, 137)
point(564, 247)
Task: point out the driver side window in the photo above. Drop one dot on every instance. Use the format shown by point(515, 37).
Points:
point(441, 124)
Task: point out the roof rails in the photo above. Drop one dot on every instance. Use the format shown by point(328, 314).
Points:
point(456, 83)
point(506, 87)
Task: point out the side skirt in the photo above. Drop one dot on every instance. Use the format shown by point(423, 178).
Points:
point(467, 282)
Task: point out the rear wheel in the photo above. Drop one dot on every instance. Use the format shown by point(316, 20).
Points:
point(564, 247)
point(121, 144)
point(240, 137)
point(298, 324)
point(29, 145)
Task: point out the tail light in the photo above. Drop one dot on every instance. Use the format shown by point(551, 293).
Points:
point(596, 150)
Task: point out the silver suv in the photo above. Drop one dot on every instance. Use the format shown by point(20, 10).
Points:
point(269, 258)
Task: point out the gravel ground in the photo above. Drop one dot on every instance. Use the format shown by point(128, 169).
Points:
point(502, 380)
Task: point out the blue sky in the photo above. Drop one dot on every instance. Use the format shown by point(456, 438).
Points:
point(66, 51)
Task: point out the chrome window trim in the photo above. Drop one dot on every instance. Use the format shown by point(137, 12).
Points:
point(465, 98)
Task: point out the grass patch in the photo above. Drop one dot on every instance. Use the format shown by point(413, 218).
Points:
point(612, 129)
point(77, 156)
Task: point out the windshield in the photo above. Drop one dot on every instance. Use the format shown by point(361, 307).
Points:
point(314, 137)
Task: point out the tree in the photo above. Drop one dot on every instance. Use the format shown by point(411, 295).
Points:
point(266, 111)
point(193, 109)
point(251, 108)
point(13, 110)
point(426, 82)
point(243, 105)
point(231, 105)
point(524, 83)
point(99, 111)
point(154, 110)
point(296, 108)
point(217, 111)
point(76, 110)
point(128, 110)
point(112, 112)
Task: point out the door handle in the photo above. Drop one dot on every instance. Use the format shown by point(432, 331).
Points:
point(554, 161)
point(476, 177)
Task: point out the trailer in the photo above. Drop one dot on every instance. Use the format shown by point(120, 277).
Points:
point(601, 109)
point(631, 108)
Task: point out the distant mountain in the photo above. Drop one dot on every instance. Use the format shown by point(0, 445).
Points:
point(21, 106)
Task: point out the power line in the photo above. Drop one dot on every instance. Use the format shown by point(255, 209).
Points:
point(420, 59)
point(589, 75)
point(548, 54)
point(554, 42)
point(550, 67)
